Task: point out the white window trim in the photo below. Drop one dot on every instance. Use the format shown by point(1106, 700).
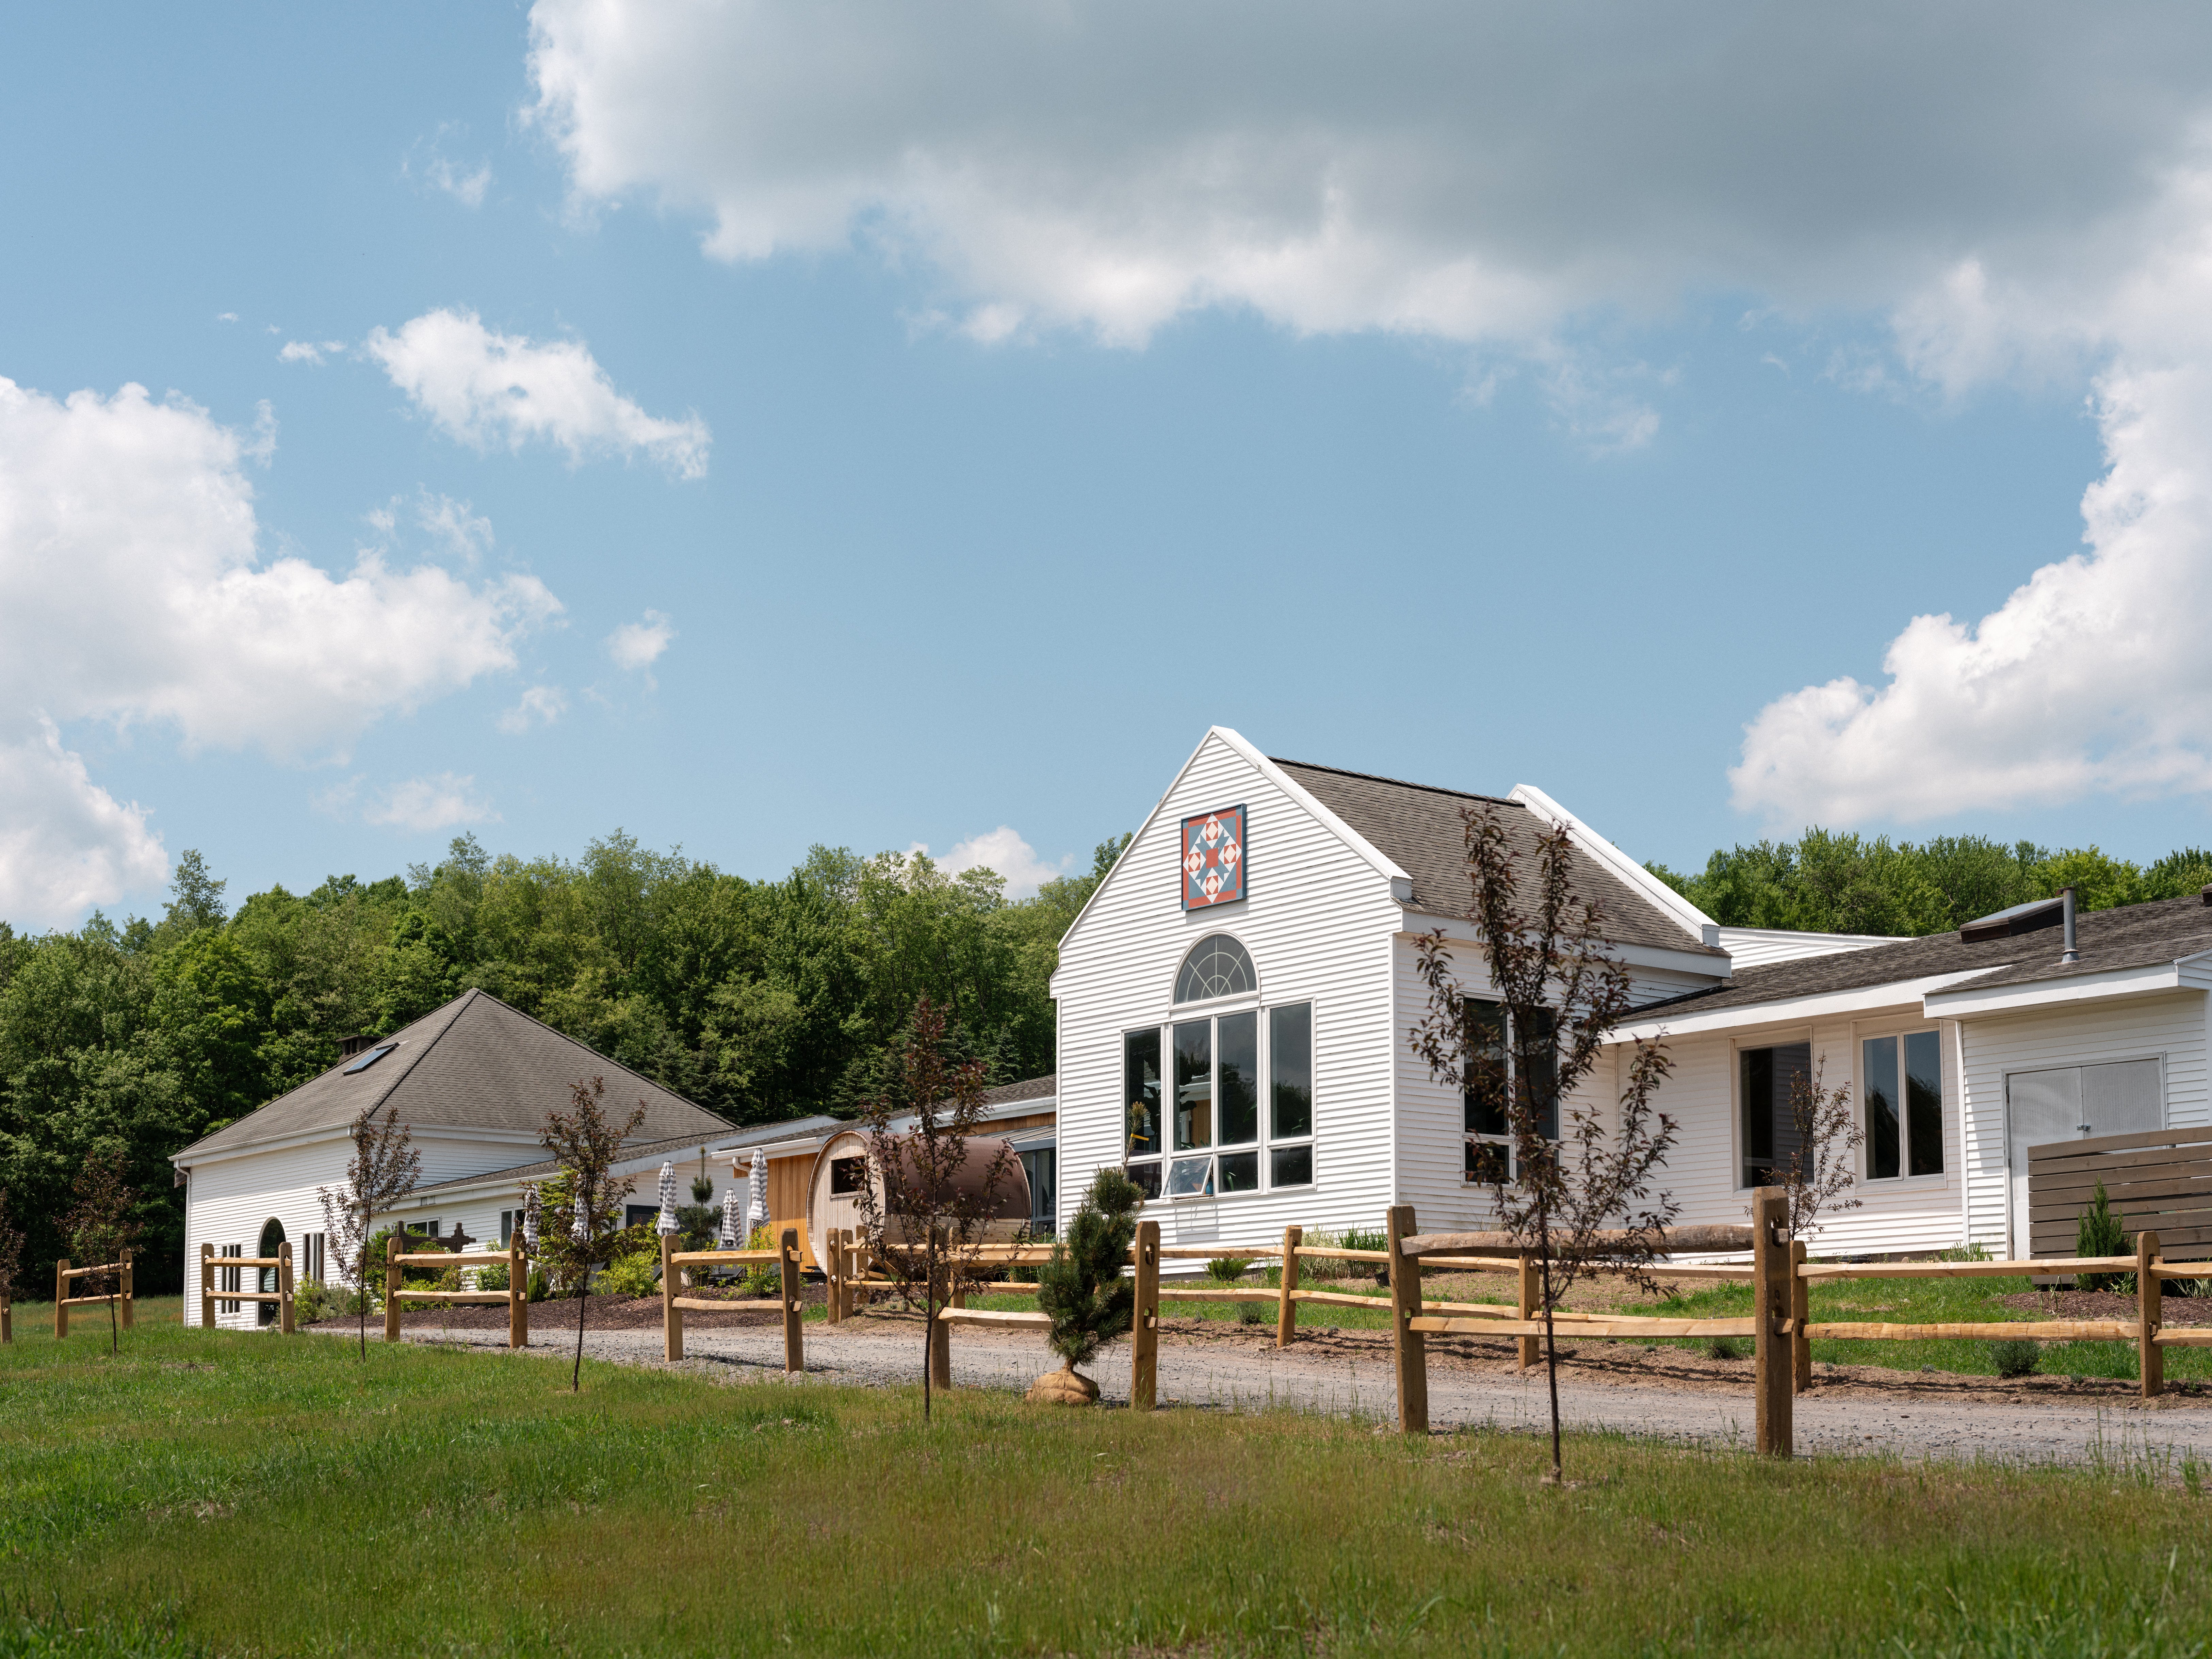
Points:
point(1874, 1032)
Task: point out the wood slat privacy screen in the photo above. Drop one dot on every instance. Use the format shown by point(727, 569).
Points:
point(2159, 1181)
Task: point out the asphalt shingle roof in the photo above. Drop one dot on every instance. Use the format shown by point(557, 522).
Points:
point(1419, 828)
point(474, 1064)
point(2133, 936)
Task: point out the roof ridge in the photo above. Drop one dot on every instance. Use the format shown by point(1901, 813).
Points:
point(574, 1042)
point(1400, 783)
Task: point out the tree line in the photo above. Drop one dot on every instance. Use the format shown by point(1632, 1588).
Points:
point(761, 999)
point(1831, 882)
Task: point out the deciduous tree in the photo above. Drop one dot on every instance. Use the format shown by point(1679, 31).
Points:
point(587, 1146)
point(383, 1170)
point(100, 1227)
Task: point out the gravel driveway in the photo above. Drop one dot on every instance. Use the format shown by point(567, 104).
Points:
point(1352, 1378)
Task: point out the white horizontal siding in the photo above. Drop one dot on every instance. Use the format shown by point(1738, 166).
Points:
point(1319, 924)
point(2170, 1026)
point(229, 1201)
point(1750, 947)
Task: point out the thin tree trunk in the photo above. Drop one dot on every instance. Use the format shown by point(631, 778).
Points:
point(928, 1321)
point(1551, 1352)
point(576, 1374)
point(111, 1323)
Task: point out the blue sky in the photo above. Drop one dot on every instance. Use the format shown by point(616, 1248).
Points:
point(780, 427)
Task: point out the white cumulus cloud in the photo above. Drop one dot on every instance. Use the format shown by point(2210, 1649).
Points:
point(639, 644)
point(436, 802)
point(133, 591)
point(540, 705)
point(484, 388)
point(1003, 850)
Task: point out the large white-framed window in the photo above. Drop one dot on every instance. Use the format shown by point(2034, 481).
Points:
point(1220, 1104)
point(1487, 1067)
point(1901, 1083)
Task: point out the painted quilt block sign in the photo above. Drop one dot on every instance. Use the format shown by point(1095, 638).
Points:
point(1213, 858)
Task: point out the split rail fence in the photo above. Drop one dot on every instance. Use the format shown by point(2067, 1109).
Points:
point(124, 1298)
point(212, 1293)
point(516, 1296)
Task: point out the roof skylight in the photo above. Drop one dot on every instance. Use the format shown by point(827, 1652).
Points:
point(370, 1058)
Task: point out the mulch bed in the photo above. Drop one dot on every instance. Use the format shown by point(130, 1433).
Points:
point(2108, 1304)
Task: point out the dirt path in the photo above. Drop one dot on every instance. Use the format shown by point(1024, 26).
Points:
point(1851, 1410)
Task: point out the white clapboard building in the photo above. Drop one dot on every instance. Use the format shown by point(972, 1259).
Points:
point(1234, 1006)
point(473, 1082)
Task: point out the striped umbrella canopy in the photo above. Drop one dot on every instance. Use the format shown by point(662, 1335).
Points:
point(756, 1196)
point(668, 1223)
point(581, 1230)
point(530, 1219)
point(731, 1220)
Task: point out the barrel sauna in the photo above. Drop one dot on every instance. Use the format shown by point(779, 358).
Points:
point(842, 1172)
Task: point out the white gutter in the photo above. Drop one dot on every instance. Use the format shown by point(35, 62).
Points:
point(1785, 1010)
point(2184, 973)
point(1460, 930)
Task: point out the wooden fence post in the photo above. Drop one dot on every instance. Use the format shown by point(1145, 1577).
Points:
point(61, 1298)
point(671, 1316)
point(1772, 1433)
point(284, 1321)
point(1526, 1305)
point(392, 1277)
point(518, 1293)
point(1145, 1328)
point(2150, 1297)
point(1800, 1309)
point(833, 1266)
point(794, 1350)
point(1408, 1345)
point(130, 1292)
point(7, 1316)
point(207, 1288)
point(1286, 1311)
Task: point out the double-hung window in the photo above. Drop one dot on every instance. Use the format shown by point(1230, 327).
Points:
point(1901, 1079)
point(1220, 1104)
point(1490, 1063)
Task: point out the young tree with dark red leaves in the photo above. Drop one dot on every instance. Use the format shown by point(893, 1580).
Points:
point(928, 1211)
point(100, 1227)
point(1577, 1201)
point(587, 1146)
point(383, 1170)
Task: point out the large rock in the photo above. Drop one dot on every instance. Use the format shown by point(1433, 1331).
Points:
point(1063, 1388)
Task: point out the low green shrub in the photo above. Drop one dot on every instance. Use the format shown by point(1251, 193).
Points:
point(311, 1301)
point(1723, 1347)
point(2100, 1232)
point(765, 1279)
point(2015, 1357)
point(636, 1274)
point(1253, 1313)
point(491, 1278)
point(1227, 1269)
point(541, 1285)
point(1965, 1253)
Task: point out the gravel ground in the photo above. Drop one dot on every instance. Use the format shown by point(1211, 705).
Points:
point(1851, 1410)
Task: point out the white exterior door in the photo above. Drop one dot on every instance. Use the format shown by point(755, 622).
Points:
point(2073, 1102)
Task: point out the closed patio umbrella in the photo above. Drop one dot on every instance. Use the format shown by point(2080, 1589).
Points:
point(756, 1213)
point(733, 1218)
point(668, 1223)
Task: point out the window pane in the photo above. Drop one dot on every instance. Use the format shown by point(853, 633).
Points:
point(1145, 1177)
point(1537, 1051)
point(847, 1176)
point(1484, 1069)
point(1240, 1172)
point(1193, 1082)
point(1924, 1102)
point(1239, 1037)
point(1217, 967)
point(1878, 1066)
point(1485, 1161)
point(1292, 1166)
point(1766, 1079)
point(1191, 1177)
point(1290, 1069)
point(1140, 1091)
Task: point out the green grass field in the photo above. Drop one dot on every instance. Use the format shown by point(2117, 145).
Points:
point(212, 1494)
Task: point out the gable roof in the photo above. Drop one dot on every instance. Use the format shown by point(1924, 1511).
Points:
point(474, 1064)
point(1419, 827)
point(2133, 936)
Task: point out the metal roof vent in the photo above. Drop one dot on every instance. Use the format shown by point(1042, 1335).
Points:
point(2029, 918)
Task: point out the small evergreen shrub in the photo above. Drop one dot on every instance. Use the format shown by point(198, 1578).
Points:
point(637, 1275)
point(312, 1302)
point(1227, 1269)
point(1252, 1313)
point(2100, 1232)
point(1723, 1347)
point(1081, 1287)
point(491, 1278)
point(541, 1285)
point(2015, 1357)
point(763, 1277)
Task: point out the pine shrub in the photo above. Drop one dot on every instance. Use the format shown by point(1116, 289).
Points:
point(2100, 1232)
point(2015, 1357)
point(1081, 1286)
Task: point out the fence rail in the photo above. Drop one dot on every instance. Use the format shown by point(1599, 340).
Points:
point(397, 1290)
point(124, 1296)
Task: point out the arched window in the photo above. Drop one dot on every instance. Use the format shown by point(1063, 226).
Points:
point(272, 1234)
point(1217, 966)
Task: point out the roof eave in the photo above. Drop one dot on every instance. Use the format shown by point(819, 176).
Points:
point(1785, 1010)
point(2186, 973)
